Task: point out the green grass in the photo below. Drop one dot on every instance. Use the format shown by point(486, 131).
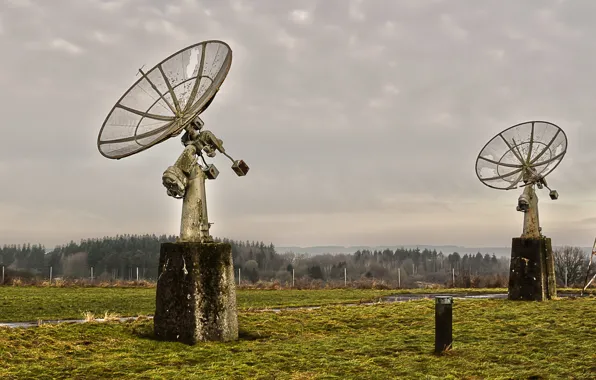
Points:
point(28, 303)
point(493, 339)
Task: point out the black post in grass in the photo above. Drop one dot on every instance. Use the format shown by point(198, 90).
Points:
point(443, 323)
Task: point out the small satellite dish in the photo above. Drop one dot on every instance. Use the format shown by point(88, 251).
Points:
point(522, 156)
point(162, 103)
point(165, 99)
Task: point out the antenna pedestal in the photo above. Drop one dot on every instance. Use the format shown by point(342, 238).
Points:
point(196, 294)
point(532, 270)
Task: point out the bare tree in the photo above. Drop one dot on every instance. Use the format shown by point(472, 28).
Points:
point(570, 263)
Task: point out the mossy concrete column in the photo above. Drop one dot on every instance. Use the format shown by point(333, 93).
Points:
point(531, 274)
point(196, 293)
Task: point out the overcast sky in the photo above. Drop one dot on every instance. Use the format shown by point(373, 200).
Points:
point(361, 120)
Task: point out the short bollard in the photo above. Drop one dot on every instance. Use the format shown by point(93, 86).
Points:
point(443, 322)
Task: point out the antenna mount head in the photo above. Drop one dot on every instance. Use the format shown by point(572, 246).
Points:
point(197, 124)
point(523, 203)
point(175, 182)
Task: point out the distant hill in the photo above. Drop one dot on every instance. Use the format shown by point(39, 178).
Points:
point(446, 249)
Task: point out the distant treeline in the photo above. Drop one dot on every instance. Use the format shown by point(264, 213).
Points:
point(26, 256)
point(120, 257)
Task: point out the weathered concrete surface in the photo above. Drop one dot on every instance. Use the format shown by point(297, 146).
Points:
point(196, 294)
point(551, 281)
point(531, 274)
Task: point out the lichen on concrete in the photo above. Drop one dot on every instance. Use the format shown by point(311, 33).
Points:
point(196, 293)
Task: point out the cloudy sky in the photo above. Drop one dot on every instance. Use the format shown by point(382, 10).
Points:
point(361, 120)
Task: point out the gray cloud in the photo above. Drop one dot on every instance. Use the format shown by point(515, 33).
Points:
point(360, 120)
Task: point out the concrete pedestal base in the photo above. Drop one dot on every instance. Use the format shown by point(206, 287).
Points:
point(196, 294)
point(532, 270)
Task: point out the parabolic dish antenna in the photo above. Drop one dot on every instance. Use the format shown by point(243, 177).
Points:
point(532, 149)
point(522, 156)
point(165, 99)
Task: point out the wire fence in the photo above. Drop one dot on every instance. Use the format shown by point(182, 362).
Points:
point(142, 276)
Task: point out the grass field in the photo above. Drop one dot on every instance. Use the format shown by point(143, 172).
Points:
point(493, 339)
point(27, 303)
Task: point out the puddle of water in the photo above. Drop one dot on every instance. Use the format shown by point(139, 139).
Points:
point(58, 321)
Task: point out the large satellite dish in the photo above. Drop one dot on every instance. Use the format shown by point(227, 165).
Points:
point(522, 156)
point(165, 99)
point(162, 103)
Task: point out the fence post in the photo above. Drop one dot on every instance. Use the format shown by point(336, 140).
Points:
point(3, 274)
point(91, 273)
point(565, 276)
point(443, 323)
point(399, 278)
point(453, 277)
point(50, 275)
point(345, 277)
point(239, 279)
point(292, 277)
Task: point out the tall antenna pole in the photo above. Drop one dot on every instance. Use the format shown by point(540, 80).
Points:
point(194, 225)
point(528, 204)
